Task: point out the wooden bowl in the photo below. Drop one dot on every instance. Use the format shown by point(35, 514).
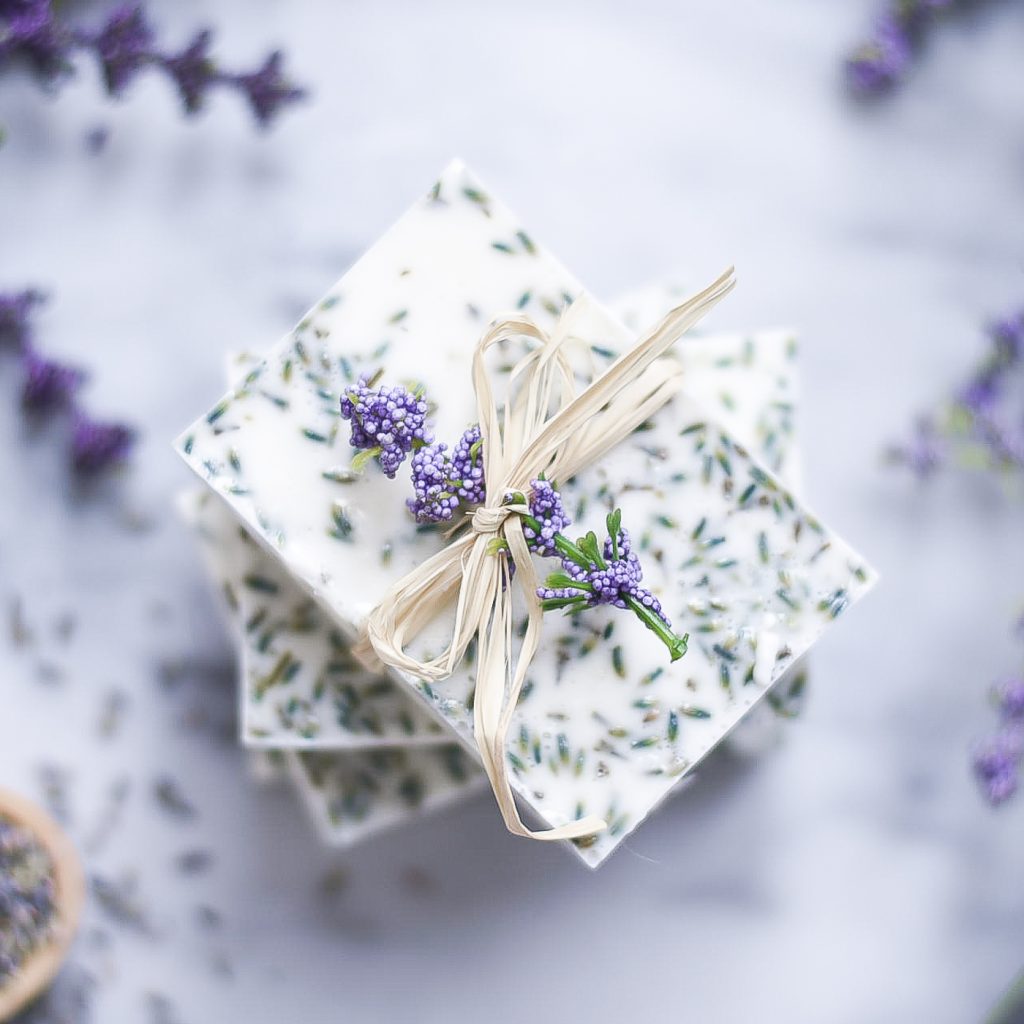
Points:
point(40, 967)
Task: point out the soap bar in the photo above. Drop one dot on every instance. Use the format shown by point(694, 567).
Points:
point(300, 685)
point(605, 725)
point(355, 794)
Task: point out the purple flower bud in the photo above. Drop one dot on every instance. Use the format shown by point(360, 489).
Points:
point(124, 46)
point(268, 90)
point(545, 506)
point(97, 446)
point(924, 452)
point(436, 500)
point(1011, 699)
point(48, 384)
point(31, 31)
point(882, 61)
point(391, 419)
point(193, 71)
point(468, 468)
point(15, 311)
point(996, 767)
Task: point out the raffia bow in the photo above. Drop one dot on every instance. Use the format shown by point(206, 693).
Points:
point(546, 428)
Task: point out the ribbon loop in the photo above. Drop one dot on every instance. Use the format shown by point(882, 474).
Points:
point(544, 427)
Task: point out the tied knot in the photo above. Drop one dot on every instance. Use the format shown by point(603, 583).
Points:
point(489, 520)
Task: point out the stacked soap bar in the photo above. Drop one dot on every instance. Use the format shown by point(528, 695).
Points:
point(605, 725)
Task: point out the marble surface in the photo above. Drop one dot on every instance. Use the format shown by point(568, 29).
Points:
point(853, 875)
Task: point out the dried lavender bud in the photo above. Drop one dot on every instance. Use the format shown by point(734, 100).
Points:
point(546, 508)
point(27, 897)
point(31, 32)
point(388, 422)
point(97, 446)
point(193, 71)
point(436, 500)
point(1011, 699)
point(48, 384)
point(468, 467)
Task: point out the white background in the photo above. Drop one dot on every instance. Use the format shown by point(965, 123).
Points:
point(851, 876)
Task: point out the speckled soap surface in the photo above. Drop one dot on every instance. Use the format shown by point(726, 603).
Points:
point(605, 726)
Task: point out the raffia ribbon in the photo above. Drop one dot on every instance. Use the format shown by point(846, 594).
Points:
point(544, 427)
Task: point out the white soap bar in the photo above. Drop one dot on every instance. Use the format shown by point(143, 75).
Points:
point(606, 726)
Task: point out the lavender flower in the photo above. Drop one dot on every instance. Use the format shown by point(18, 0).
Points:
point(29, 30)
point(34, 32)
point(97, 446)
point(883, 60)
point(997, 766)
point(546, 508)
point(436, 500)
point(611, 576)
point(48, 384)
point(193, 71)
point(387, 422)
point(1011, 700)
point(124, 46)
point(15, 311)
point(467, 467)
point(268, 90)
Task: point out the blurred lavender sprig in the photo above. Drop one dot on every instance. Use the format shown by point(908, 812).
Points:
point(881, 61)
point(982, 425)
point(997, 762)
point(50, 388)
point(36, 34)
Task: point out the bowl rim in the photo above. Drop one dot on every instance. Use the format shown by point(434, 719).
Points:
point(41, 966)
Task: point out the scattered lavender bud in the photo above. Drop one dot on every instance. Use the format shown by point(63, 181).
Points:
point(387, 421)
point(29, 30)
point(97, 446)
point(193, 71)
point(468, 467)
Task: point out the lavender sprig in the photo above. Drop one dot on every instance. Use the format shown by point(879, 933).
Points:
point(592, 576)
point(35, 33)
point(387, 423)
point(997, 762)
point(50, 387)
point(882, 61)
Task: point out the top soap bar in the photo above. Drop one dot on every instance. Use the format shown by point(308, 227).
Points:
point(605, 726)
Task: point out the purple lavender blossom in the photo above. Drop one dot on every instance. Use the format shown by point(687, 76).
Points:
point(268, 90)
point(15, 311)
point(436, 500)
point(1011, 700)
point(924, 452)
point(883, 60)
point(996, 767)
point(387, 421)
point(48, 384)
point(193, 71)
point(468, 467)
point(546, 507)
point(1008, 335)
point(124, 46)
point(29, 30)
point(97, 446)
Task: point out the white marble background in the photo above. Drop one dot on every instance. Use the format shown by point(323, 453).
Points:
point(852, 876)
